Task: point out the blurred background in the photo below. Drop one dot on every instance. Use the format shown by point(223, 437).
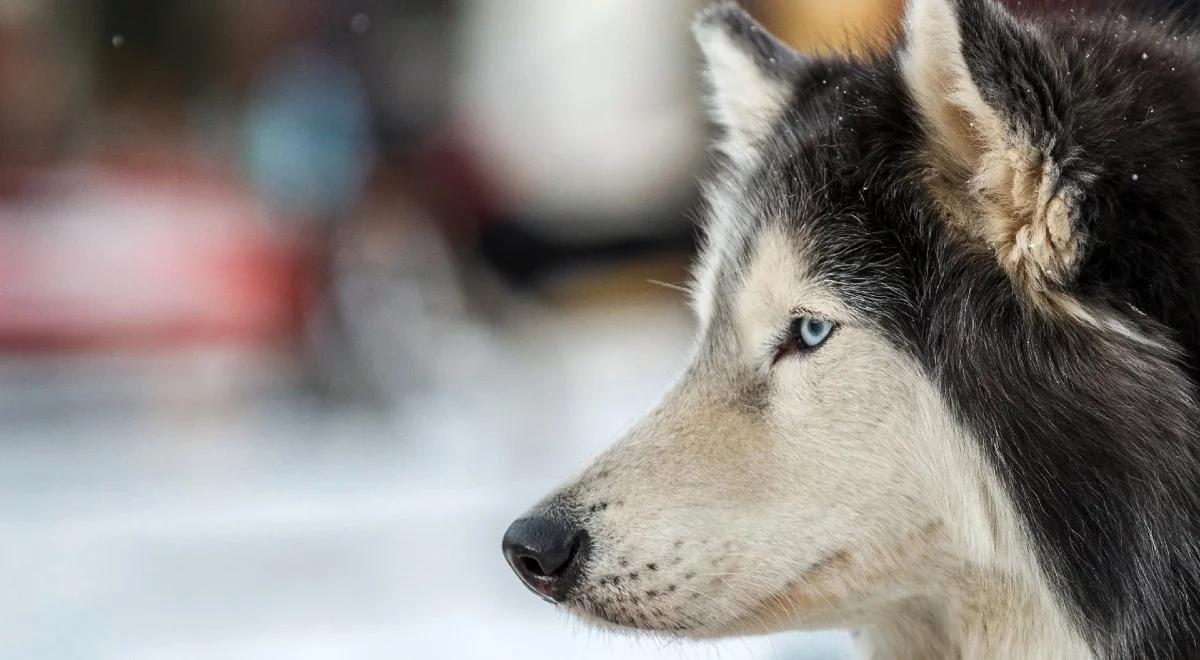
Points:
point(302, 301)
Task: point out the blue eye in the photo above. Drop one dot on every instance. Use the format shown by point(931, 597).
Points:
point(805, 333)
point(809, 332)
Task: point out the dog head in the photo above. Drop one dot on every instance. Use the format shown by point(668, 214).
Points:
point(892, 250)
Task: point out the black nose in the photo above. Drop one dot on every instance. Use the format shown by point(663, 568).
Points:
point(548, 553)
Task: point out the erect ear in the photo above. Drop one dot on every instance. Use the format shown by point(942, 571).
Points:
point(750, 73)
point(995, 102)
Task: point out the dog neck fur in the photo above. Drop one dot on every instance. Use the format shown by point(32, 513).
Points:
point(982, 602)
point(983, 593)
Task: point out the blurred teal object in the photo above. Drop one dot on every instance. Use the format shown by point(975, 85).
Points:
point(306, 135)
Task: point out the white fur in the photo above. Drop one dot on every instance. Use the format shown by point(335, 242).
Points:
point(725, 221)
point(852, 499)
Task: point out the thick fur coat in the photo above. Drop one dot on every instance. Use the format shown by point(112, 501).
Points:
point(995, 450)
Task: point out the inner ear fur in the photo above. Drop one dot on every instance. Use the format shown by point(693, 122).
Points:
point(996, 113)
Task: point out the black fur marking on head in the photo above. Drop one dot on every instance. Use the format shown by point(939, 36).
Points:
point(1014, 71)
point(1095, 433)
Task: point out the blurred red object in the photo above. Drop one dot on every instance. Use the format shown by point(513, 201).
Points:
point(146, 253)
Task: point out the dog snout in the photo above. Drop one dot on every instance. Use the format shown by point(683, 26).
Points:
point(547, 551)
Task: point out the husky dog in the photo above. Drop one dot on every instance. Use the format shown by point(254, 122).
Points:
point(944, 385)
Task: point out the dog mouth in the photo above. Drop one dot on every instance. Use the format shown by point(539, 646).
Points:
point(701, 606)
point(631, 613)
point(697, 615)
point(667, 595)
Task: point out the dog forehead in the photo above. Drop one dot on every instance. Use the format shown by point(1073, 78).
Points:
point(774, 274)
point(760, 278)
point(757, 238)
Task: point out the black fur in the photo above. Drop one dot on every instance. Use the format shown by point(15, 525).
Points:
point(1096, 433)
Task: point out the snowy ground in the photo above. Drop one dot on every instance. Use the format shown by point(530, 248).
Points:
point(282, 529)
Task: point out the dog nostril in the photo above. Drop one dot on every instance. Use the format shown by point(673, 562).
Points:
point(547, 552)
point(532, 566)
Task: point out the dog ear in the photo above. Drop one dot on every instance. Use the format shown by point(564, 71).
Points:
point(750, 74)
point(993, 97)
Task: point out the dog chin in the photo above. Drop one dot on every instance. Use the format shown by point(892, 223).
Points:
point(617, 619)
point(766, 618)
